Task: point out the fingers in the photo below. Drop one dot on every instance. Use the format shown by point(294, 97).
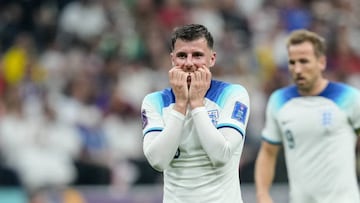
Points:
point(178, 82)
point(190, 87)
point(177, 76)
point(200, 83)
point(201, 75)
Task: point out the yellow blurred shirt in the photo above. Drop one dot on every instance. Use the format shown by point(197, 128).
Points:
point(14, 63)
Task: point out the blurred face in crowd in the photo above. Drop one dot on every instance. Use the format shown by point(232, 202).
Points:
point(305, 66)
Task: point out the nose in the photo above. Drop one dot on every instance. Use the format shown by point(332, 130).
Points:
point(189, 61)
point(297, 68)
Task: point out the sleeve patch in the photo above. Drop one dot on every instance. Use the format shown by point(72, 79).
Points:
point(239, 112)
point(144, 119)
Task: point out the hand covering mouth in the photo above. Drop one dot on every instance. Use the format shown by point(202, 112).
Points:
point(188, 79)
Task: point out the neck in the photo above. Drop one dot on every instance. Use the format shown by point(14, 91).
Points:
point(317, 88)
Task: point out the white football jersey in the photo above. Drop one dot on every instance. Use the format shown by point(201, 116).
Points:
point(319, 139)
point(191, 177)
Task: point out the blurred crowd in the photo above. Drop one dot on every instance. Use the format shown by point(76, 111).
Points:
point(73, 74)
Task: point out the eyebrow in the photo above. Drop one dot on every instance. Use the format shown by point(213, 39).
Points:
point(302, 60)
point(198, 53)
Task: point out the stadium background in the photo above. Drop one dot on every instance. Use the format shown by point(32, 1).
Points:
point(73, 74)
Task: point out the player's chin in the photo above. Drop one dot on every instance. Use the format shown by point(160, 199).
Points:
point(303, 86)
point(300, 82)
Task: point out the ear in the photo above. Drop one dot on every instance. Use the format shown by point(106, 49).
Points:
point(212, 59)
point(322, 63)
point(172, 59)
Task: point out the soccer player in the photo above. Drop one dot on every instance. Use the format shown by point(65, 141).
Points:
point(194, 131)
point(317, 121)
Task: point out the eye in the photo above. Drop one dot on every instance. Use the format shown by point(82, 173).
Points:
point(181, 55)
point(304, 61)
point(198, 54)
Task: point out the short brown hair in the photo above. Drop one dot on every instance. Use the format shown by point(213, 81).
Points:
point(303, 35)
point(192, 32)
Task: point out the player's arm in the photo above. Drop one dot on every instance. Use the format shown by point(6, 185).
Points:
point(265, 171)
point(160, 146)
point(354, 110)
point(219, 144)
point(221, 141)
point(161, 135)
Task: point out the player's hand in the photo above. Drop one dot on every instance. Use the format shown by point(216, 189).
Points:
point(178, 82)
point(200, 84)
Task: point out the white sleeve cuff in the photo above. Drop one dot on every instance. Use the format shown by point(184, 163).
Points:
point(198, 110)
point(177, 114)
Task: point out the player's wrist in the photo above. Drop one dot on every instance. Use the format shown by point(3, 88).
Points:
point(198, 110)
point(180, 107)
point(196, 104)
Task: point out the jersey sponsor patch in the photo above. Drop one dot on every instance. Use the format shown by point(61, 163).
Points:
point(144, 119)
point(214, 116)
point(239, 112)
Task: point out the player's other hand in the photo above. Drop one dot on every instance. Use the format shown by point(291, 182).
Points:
point(178, 79)
point(200, 83)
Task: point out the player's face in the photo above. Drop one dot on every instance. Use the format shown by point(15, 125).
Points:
point(192, 55)
point(305, 67)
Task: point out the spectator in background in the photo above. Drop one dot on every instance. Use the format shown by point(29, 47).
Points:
point(20, 62)
point(74, 27)
point(77, 108)
point(39, 149)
